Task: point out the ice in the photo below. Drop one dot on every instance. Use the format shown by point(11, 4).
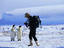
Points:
point(51, 36)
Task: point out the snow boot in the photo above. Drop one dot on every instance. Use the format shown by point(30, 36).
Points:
point(37, 43)
point(31, 44)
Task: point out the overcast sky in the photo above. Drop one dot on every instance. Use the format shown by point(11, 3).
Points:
point(45, 8)
point(48, 14)
point(8, 5)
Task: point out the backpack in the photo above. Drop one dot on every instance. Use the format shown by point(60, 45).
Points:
point(37, 21)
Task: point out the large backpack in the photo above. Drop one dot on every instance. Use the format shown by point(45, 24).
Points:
point(37, 21)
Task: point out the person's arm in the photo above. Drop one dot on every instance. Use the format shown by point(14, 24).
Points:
point(27, 23)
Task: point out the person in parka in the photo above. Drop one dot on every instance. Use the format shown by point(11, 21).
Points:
point(31, 23)
point(13, 33)
point(19, 33)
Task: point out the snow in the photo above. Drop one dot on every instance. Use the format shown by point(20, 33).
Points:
point(48, 37)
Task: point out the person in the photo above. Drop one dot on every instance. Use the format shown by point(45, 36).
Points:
point(19, 33)
point(13, 34)
point(31, 22)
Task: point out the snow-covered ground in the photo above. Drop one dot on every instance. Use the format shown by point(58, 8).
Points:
point(51, 36)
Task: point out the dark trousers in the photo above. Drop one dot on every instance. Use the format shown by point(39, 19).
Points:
point(32, 34)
